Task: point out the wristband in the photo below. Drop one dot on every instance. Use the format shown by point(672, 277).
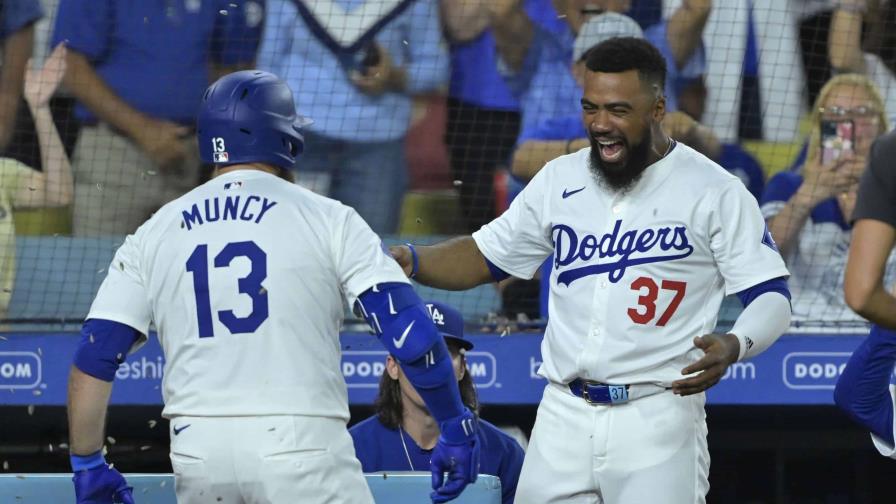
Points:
point(415, 261)
point(86, 462)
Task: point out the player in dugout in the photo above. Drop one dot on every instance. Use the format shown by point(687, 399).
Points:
point(402, 433)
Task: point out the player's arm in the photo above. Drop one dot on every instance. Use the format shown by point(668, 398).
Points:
point(116, 325)
point(103, 347)
point(455, 264)
point(752, 268)
point(514, 244)
point(862, 390)
point(766, 316)
point(872, 241)
point(398, 317)
point(381, 294)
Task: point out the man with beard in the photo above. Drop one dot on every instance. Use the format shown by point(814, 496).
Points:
point(648, 236)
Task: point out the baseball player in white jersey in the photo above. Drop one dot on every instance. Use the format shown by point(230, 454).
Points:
point(245, 279)
point(648, 236)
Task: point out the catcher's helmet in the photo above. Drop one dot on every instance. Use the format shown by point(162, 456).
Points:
point(249, 117)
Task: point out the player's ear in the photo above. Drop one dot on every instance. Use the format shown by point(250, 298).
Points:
point(659, 108)
point(392, 367)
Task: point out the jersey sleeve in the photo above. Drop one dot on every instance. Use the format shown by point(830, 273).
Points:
point(741, 244)
point(519, 240)
point(885, 448)
point(361, 259)
point(123, 296)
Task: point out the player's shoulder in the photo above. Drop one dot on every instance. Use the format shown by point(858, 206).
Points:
point(691, 165)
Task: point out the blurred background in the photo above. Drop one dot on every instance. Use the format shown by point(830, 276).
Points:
point(430, 116)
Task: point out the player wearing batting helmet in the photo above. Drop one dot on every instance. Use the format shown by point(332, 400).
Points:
point(245, 279)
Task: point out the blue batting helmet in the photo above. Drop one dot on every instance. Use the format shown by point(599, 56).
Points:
point(249, 117)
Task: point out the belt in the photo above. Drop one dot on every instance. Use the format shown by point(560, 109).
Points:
point(604, 393)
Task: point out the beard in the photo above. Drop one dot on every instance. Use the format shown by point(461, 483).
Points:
point(621, 176)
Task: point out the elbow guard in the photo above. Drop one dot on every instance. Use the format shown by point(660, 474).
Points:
point(104, 346)
point(400, 320)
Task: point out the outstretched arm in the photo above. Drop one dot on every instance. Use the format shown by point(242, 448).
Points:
point(455, 264)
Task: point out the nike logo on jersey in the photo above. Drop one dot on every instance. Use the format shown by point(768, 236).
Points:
point(400, 341)
point(567, 193)
point(178, 430)
point(631, 248)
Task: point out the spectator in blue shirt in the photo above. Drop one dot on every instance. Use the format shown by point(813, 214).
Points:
point(483, 110)
point(17, 18)
point(357, 80)
point(138, 70)
point(402, 433)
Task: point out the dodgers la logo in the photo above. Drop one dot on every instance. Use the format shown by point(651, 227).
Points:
point(632, 248)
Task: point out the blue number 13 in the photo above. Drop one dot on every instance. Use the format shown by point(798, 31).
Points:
point(250, 285)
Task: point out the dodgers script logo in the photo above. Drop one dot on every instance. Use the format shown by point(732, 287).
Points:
point(629, 249)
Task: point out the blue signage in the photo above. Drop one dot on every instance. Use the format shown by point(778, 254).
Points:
point(798, 369)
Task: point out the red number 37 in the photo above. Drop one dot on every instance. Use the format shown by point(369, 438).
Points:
point(647, 300)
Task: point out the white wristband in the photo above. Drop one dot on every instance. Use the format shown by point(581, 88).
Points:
point(761, 323)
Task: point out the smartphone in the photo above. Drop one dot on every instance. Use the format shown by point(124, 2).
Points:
point(837, 138)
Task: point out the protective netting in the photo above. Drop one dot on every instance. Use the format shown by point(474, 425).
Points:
point(429, 117)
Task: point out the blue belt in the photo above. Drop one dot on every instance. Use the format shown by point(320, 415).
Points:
point(599, 393)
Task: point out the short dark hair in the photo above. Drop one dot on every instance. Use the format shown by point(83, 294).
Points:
point(622, 54)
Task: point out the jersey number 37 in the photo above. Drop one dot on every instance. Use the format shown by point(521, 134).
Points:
point(249, 285)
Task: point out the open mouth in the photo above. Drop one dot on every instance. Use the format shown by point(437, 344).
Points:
point(611, 150)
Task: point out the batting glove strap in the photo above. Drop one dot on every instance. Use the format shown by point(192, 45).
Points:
point(460, 429)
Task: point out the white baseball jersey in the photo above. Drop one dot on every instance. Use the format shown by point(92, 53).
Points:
point(637, 275)
point(245, 279)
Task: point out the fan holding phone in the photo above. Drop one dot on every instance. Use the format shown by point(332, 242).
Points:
point(809, 210)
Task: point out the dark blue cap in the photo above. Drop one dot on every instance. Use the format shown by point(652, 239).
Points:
point(449, 322)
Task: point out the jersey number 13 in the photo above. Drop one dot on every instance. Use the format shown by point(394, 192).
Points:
point(250, 285)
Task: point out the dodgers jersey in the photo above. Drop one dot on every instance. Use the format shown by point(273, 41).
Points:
point(635, 275)
point(246, 279)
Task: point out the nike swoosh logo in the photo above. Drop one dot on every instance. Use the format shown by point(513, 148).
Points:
point(567, 193)
point(391, 306)
point(400, 341)
point(178, 430)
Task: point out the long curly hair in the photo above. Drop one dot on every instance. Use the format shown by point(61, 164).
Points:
point(389, 407)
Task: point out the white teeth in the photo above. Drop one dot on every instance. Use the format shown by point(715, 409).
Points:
point(607, 142)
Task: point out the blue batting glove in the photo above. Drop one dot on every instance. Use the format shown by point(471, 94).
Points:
point(96, 482)
point(456, 453)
